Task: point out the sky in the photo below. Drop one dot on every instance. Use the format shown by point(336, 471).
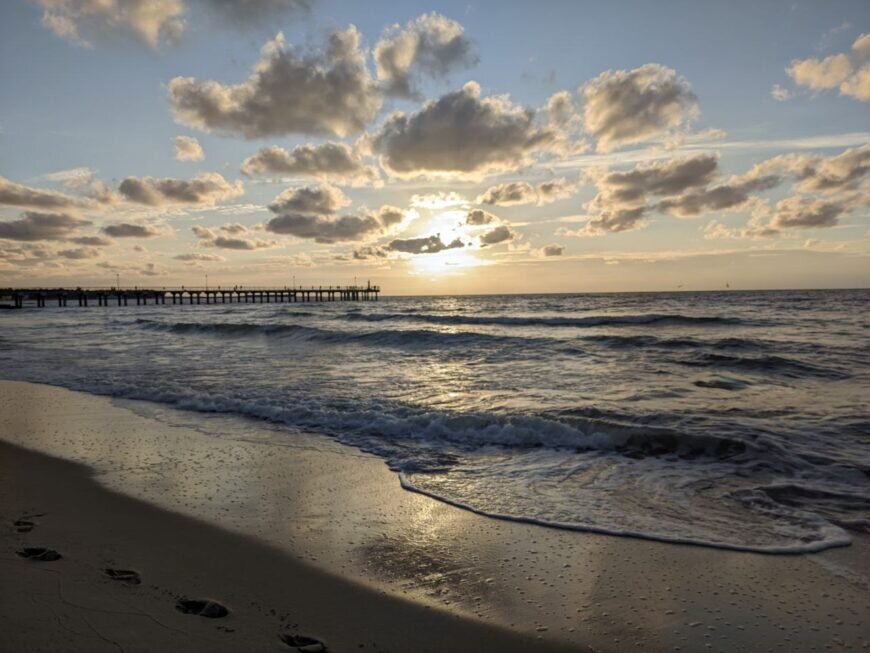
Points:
point(437, 148)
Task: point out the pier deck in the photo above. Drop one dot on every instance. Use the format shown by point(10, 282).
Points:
point(42, 297)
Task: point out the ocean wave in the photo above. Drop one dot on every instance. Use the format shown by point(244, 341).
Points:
point(386, 338)
point(767, 364)
point(555, 321)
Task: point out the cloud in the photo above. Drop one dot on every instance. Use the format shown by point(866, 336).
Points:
point(202, 190)
point(329, 93)
point(517, 192)
point(478, 217)
point(822, 74)
point(151, 21)
point(208, 238)
point(612, 221)
point(521, 192)
point(779, 93)
point(685, 184)
point(462, 134)
point(198, 257)
point(310, 212)
point(858, 85)
point(730, 195)
point(804, 213)
point(431, 44)
point(554, 190)
point(333, 162)
point(816, 173)
point(73, 177)
point(625, 107)
point(187, 148)
point(425, 245)
point(552, 250)
point(561, 109)
point(861, 46)
point(12, 194)
point(323, 229)
point(439, 200)
point(499, 234)
point(844, 70)
point(33, 225)
point(92, 241)
point(80, 253)
point(130, 230)
point(320, 200)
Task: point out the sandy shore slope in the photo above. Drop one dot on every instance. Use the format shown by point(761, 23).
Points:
point(72, 605)
point(297, 534)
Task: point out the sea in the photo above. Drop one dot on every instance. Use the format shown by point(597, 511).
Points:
point(738, 420)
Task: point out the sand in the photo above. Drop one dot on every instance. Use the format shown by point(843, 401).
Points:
point(295, 534)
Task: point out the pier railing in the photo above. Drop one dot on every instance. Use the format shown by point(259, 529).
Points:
point(105, 296)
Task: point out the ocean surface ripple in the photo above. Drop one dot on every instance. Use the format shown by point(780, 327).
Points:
point(736, 420)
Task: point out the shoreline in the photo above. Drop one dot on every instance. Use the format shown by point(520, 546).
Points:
point(339, 518)
point(71, 605)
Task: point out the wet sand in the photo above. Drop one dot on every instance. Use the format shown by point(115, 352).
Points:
point(296, 534)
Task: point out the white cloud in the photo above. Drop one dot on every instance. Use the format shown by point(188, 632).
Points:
point(187, 148)
point(327, 93)
point(431, 44)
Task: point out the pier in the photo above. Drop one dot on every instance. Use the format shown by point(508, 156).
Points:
point(60, 297)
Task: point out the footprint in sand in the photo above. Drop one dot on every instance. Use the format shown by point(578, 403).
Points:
point(39, 554)
point(126, 576)
point(23, 525)
point(303, 643)
point(202, 608)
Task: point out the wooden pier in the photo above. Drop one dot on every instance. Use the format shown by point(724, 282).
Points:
point(42, 297)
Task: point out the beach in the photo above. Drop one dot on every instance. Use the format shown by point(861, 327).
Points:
point(304, 536)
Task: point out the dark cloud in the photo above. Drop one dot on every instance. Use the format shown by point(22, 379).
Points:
point(335, 162)
point(552, 250)
point(209, 238)
point(12, 194)
point(725, 196)
point(615, 220)
point(325, 229)
point(79, 253)
point(624, 107)
point(432, 45)
point(517, 192)
point(319, 200)
point(329, 93)
point(310, 212)
point(478, 217)
point(462, 134)
point(804, 213)
point(91, 241)
point(845, 171)
point(33, 225)
point(202, 190)
point(625, 197)
point(554, 190)
point(497, 235)
point(129, 230)
point(426, 245)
